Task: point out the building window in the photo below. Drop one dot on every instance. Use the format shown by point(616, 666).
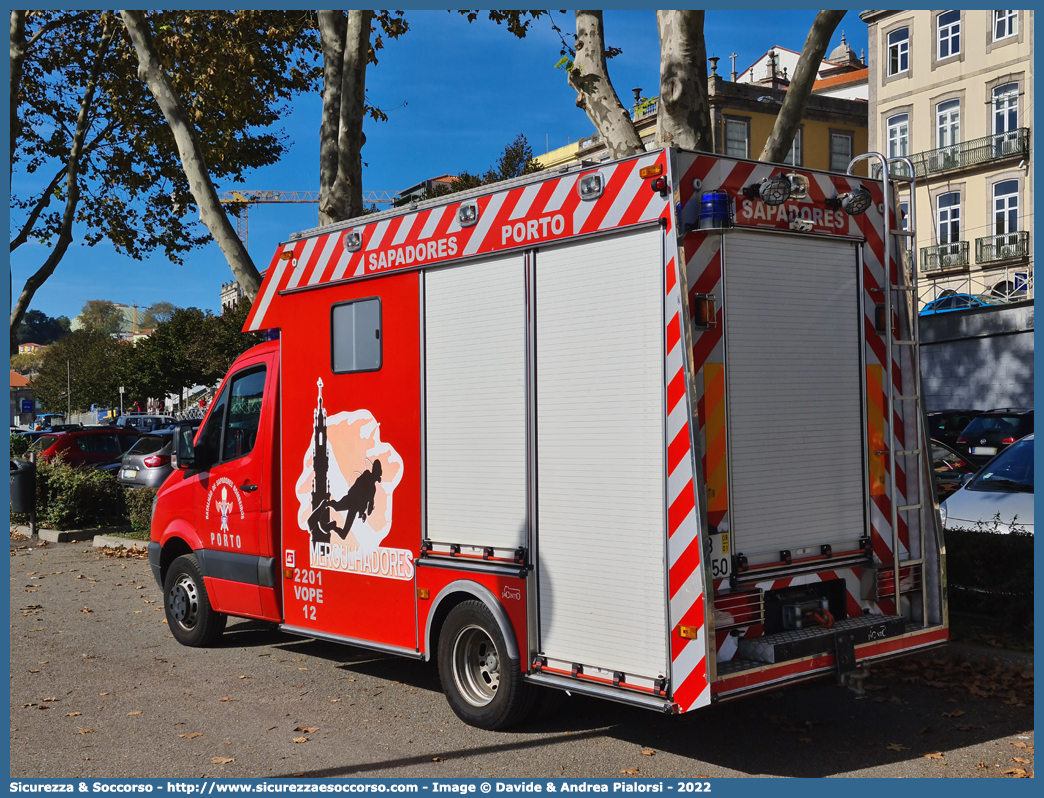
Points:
point(356, 332)
point(1006, 209)
point(794, 156)
point(898, 51)
point(1005, 24)
point(949, 33)
point(904, 208)
point(840, 151)
point(950, 218)
point(1005, 119)
point(898, 135)
point(736, 138)
point(948, 123)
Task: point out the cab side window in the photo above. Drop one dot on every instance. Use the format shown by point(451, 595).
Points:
point(209, 442)
point(244, 413)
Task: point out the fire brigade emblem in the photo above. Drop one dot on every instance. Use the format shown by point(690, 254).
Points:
point(223, 499)
point(345, 493)
point(224, 507)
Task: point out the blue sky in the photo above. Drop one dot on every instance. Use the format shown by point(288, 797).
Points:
point(455, 94)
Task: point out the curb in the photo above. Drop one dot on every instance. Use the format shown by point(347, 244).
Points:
point(70, 535)
point(113, 542)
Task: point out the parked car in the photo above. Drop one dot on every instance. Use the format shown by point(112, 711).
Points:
point(946, 426)
point(951, 469)
point(145, 423)
point(147, 463)
point(999, 498)
point(86, 447)
point(47, 420)
point(958, 302)
point(991, 432)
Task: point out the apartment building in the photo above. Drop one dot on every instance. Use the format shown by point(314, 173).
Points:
point(953, 91)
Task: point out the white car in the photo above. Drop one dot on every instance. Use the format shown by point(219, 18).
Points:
point(999, 498)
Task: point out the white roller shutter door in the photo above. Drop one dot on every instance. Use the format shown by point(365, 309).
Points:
point(793, 332)
point(600, 453)
point(474, 327)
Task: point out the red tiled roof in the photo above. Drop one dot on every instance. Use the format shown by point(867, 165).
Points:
point(18, 381)
point(840, 80)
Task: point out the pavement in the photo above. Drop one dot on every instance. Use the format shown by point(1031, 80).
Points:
point(100, 688)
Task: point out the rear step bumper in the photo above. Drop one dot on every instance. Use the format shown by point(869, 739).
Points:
point(602, 691)
point(740, 677)
point(785, 646)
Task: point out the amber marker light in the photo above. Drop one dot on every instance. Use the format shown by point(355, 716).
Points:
point(651, 171)
point(423, 594)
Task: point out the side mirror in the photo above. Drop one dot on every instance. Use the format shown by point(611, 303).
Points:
point(966, 478)
point(183, 452)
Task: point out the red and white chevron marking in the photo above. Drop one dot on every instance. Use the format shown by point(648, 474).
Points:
point(689, 667)
point(516, 218)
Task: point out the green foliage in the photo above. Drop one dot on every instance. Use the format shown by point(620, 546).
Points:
point(101, 316)
point(39, 328)
point(139, 509)
point(991, 573)
point(95, 362)
point(76, 498)
point(136, 193)
point(28, 364)
point(515, 161)
point(19, 445)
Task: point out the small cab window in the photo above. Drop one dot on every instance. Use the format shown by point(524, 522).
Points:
point(355, 333)
point(209, 441)
point(244, 414)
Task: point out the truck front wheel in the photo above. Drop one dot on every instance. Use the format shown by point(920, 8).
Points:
point(484, 687)
point(192, 620)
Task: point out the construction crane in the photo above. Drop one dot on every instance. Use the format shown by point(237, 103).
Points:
point(248, 197)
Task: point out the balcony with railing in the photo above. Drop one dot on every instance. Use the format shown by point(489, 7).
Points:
point(1003, 247)
point(998, 147)
point(944, 256)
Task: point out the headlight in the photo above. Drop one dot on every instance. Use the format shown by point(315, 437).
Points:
point(942, 514)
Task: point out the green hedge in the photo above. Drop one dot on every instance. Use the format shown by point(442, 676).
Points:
point(76, 498)
point(139, 510)
point(19, 444)
point(991, 574)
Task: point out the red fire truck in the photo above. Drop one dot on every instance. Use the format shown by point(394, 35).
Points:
point(648, 430)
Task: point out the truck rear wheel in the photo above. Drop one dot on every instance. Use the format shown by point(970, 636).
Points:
point(484, 687)
point(192, 620)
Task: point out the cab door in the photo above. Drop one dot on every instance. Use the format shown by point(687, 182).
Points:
point(233, 498)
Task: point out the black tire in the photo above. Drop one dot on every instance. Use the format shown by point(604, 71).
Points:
point(192, 620)
point(548, 703)
point(483, 686)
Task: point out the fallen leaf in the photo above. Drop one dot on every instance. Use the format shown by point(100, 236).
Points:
point(896, 747)
point(223, 699)
point(299, 659)
point(1019, 744)
point(934, 755)
point(307, 729)
point(437, 759)
point(630, 771)
point(222, 760)
point(105, 693)
point(1020, 760)
point(24, 706)
point(982, 766)
point(969, 727)
point(1018, 773)
point(300, 739)
point(190, 735)
point(271, 728)
point(85, 609)
point(85, 731)
point(244, 677)
point(72, 714)
point(52, 698)
point(302, 669)
point(335, 701)
point(951, 701)
point(135, 712)
point(648, 752)
point(955, 714)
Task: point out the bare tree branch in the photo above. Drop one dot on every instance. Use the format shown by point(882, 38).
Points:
point(683, 112)
point(57, 23)
point(150, 70)
point(72, 182)
point(48, 193)
point(800, 89)
point(332, 32)
point(589, 77)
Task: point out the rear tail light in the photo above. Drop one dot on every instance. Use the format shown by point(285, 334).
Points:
point(962, 439)
point(156, 460)
point(1008, 440)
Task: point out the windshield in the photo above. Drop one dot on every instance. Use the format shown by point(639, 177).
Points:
point(1010, 472)
point(1006, 424)
point(147, 444)
point(43, 442)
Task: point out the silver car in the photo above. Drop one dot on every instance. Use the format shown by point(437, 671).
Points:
point(147, 463)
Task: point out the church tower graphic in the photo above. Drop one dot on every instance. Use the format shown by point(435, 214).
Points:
point(318, 521)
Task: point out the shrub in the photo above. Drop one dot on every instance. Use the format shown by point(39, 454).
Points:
point(139, 509)
point(76, 498)
point(991, 574)
point(19, 444)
